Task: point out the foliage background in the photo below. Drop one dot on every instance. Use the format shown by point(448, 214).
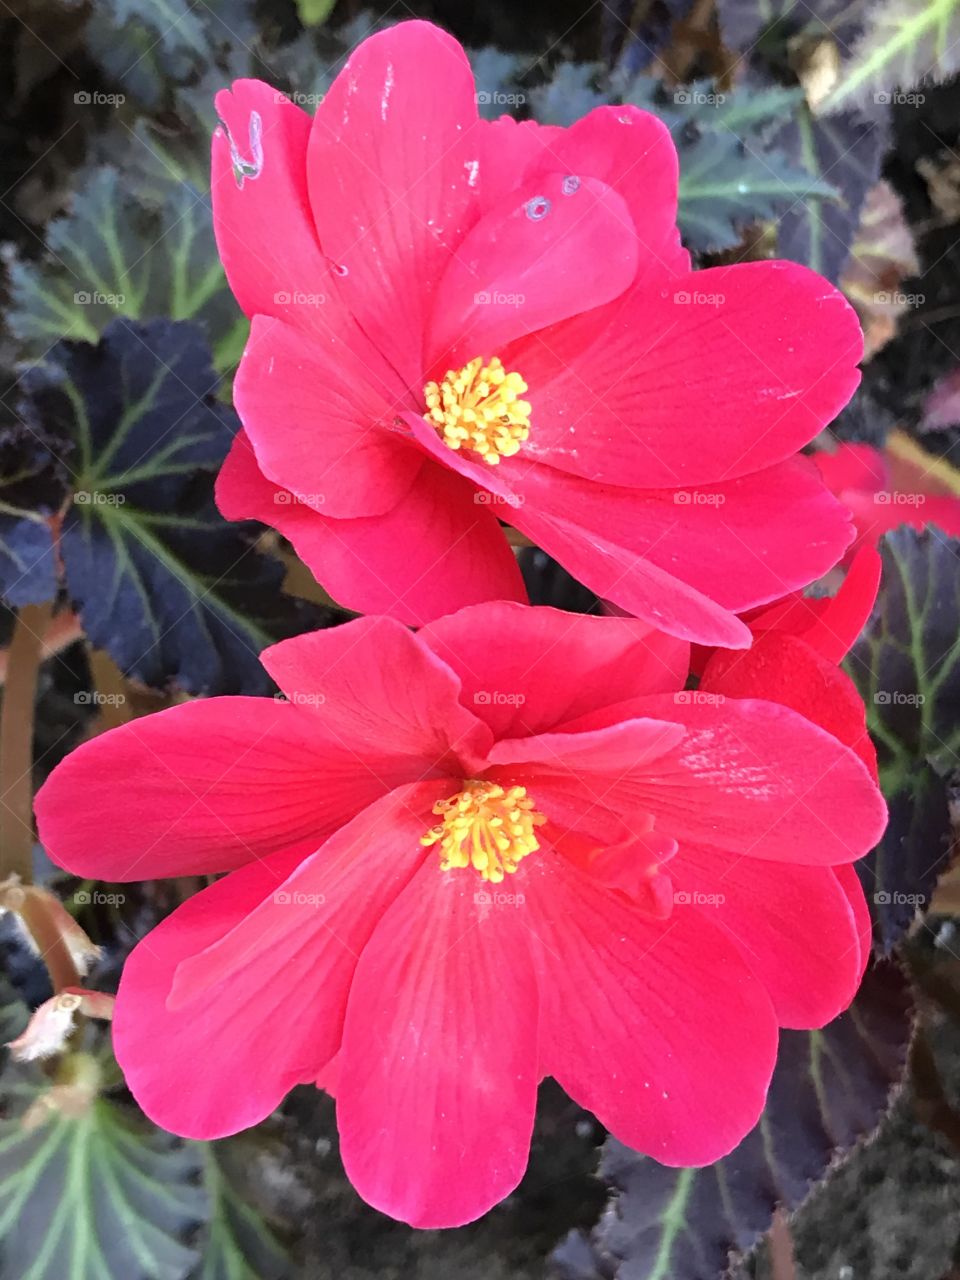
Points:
point(828, 133)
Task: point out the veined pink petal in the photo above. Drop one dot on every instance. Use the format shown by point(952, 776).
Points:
point(656, 1026)
point(372, 685)
point(261, 214)
point(793, 925)
point(393, 174)
point(436, 551)
point(696, 381)
point(439, 1071)
point(319, 415)
point(207, 786)
point(548, 666)
point(521, 267)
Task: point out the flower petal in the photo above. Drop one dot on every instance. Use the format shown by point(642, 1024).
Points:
point(391, 183)
point(770, 347)
point(207, 786)
point(685, 560)
point(318, 413)
point(372, 685)
point(633, 152)
point(261, 215)
point(526, 670)
point(656, 1026)
point(329, 905)
point(521, 267)
point(749, 777)
point(435, 1122)
point(245, 985)
point(436, 551)
point(793, 925)
point(782, 668)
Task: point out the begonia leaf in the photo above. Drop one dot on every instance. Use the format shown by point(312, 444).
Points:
point(732, 171)
point(32, 489)
point(829, 1090)
point(904, 43)
point(907, 667)
point(845, 151)
point(176, 594)
point(112, 255)
point(89, 1188)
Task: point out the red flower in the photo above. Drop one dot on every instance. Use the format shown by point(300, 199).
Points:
point(887, 488)
point(503, 848)
point(456, 320)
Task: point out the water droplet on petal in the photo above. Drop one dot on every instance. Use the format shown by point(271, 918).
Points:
point(570, 184)
point(537, 208)
point(242, 167)
point(339, 269)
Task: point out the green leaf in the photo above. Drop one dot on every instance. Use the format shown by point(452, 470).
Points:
point(112, 255)
point(313, 13)
point(173, 592)
point(845, 151)
point(906, 43)
point(88, 1188)
point(32, 489)
point(748, 25)
point(240, 1243)
point(907, 667)
point(731, 175)
point(829, 1090)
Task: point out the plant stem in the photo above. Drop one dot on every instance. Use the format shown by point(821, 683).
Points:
point(16, 742)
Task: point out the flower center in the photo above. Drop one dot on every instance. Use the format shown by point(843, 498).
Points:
point(479, 408)
point(485, 827)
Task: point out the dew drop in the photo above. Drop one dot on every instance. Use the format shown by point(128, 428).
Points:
point(340, 269)
point(570, 184)
point(537, 208)
point(242, 167)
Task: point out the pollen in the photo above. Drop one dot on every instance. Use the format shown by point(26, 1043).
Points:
point(480, 409)
point(487, 827)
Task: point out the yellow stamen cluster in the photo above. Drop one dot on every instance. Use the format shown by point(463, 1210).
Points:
point(485, 827)
point(480, 408)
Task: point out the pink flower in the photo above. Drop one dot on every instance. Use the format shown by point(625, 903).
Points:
point(457, 323)
point(506, 847)
point(886, 488)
